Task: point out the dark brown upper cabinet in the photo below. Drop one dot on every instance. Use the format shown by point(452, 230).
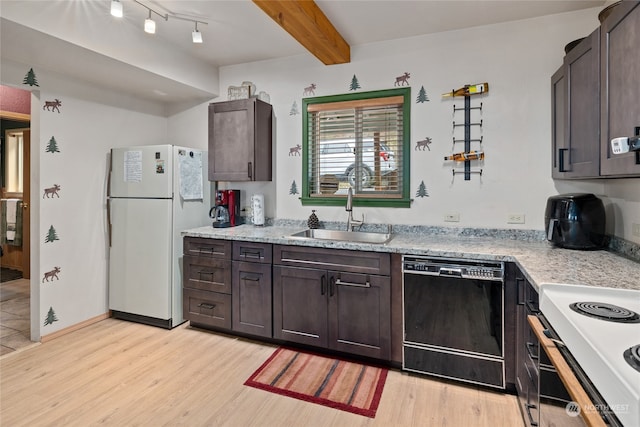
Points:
point(620, 94)
point(240, 140)
point(576, 112)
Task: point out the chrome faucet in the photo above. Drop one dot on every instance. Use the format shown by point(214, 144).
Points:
point(351, 222)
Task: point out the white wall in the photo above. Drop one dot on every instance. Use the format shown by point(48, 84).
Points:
point(89, 124)
point(516, 58)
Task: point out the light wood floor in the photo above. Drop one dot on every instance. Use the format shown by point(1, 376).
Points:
point(119, 373)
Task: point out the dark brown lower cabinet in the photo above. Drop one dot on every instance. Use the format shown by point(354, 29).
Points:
point(344, 311)
point(251, 302)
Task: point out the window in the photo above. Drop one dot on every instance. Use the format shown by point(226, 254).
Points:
point(358, 140)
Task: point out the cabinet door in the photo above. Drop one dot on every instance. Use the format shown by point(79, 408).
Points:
point(300, 305)
point(360, 314)
point(620, 45)
point(559, 146)
point(251, 299)
point(231, 139)
point(582, 125)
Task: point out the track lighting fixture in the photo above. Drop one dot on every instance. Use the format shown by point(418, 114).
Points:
point(116, 8)
point(196, 35)
point(150, 24)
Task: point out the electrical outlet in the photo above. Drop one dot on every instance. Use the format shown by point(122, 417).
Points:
point(515, 219)
point(452, 217)
point(635, 229)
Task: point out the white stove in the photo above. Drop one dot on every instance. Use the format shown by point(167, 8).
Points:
point(599, 345)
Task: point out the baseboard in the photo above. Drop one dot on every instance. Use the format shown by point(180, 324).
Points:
point(75, 327)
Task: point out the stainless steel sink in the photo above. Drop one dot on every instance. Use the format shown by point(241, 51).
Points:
point(344, 236)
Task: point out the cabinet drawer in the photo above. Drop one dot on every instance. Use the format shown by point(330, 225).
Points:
point(207, 274)
point(198, 246)
point(207, 308)
point(252, 252)
point(334, 259)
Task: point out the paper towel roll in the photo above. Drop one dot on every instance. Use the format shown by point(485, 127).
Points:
point(257, 209)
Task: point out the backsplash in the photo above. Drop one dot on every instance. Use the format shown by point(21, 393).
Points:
point(616, 245)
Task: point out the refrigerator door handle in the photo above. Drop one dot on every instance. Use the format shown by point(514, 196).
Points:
point(109, 225)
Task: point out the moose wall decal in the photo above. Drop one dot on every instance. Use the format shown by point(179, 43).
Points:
point(51, 274)
point(52, 105)
point(402, 79)
point(53, 191)
point(295, 151)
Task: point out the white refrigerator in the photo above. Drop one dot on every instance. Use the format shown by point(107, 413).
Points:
point(155, 192)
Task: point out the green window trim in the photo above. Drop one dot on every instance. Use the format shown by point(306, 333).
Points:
point(404, 201)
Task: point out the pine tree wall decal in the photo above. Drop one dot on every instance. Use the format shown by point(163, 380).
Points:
point(294, 188)
point(52, 146)
point(354, 83)
point(51, 235)
point(294, 109)
point(51, 317)
point(30, 78)
point(422, 95)
point(422, 190)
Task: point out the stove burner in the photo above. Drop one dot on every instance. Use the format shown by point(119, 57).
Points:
point(632, 356)
point(604, 311)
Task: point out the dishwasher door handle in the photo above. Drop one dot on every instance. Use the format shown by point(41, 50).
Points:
point(450, 272)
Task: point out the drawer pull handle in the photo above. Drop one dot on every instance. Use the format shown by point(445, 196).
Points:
point(532, 422)
point(519, 291)
point(206, 250)
point(323, 284)
point(207, 306)
point(531, 308)
point(250, 254)
point(367, 284)
point(251, 278)
point(207, 273)
point(530, 347)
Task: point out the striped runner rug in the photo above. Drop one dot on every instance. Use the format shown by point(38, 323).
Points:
point(332, 382)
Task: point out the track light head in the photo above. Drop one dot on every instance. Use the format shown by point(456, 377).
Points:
point(196, 35)
point(116, 8)
point(149, 25)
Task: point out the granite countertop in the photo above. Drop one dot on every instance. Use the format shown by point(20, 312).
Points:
point(541, 262)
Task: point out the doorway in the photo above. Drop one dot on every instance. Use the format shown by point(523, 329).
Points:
point(15, 173)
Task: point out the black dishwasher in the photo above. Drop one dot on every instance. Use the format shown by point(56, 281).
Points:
point(453, 311)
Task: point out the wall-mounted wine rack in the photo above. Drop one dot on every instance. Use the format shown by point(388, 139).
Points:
point(468, 155)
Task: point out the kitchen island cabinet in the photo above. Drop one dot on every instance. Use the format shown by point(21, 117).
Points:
point(334, 299)
point(240, 140)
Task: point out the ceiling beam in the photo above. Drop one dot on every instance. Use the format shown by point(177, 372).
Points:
point(304, 20)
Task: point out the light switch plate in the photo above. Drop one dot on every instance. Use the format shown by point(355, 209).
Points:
point(452, 217)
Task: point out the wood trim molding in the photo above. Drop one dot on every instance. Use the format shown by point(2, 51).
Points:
point(19, 117)
point(592, 418)
point(306, 22)
point(72, 328)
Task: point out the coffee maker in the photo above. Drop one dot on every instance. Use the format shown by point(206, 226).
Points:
point(226, 211)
